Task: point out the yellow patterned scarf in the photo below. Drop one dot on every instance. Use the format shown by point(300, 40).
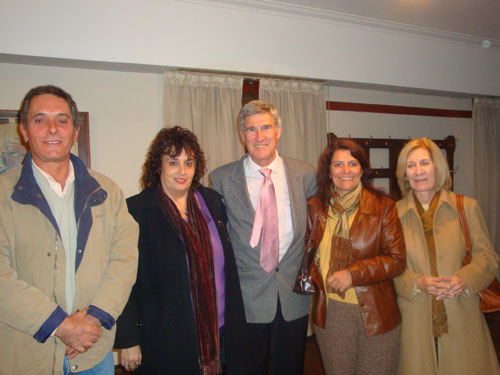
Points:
point(341, 250)
point(439, 318)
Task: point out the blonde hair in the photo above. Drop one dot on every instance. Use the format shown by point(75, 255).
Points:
point(443, 177)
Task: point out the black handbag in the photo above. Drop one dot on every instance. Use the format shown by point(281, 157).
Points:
point(304, 283)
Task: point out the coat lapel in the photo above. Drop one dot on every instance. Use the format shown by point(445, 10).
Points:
point(151, 201)
point(446, 202)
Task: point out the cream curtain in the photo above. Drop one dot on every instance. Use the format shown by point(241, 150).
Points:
point(302, 107)
point(486, 163)
point(206, 104)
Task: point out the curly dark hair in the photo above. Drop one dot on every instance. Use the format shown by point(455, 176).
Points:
point(323, 175)
point(171, 141)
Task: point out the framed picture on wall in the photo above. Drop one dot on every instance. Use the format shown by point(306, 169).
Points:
point(13, 149)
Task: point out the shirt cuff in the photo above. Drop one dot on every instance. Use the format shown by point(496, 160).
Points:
point(106, 320)
point(467, 291)
point(415, 291)
point(50, 325)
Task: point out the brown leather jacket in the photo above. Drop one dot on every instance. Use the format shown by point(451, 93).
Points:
point(379, 255)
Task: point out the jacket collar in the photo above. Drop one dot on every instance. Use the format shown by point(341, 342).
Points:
point(149, 197)
point(85, 184)
point(367, 204)
point(26, 187)
point(447, 200)
point(87, 189)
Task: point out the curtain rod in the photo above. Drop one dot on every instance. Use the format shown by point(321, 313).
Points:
point(250, 75)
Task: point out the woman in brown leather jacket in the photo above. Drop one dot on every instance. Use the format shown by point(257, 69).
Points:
point(356, 235)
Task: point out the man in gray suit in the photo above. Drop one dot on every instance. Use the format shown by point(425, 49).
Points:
point(276, 318)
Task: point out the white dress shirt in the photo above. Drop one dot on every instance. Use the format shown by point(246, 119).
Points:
point(278, 176)
point(54, 185)
point(64, 214)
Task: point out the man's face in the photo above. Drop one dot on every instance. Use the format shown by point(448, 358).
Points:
point(261, 138)
point(49, 130)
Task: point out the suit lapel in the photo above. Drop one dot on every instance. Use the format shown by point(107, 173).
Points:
point(239, 187)
point(292, 183)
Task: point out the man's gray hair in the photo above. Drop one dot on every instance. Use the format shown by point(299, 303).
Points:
point(255, 107)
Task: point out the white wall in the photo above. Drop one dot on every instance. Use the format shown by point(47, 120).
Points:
point(207, 35)
point(364, 125)
point(125, 112)
point(125, 108)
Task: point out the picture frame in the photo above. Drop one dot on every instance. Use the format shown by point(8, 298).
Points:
point(13, 149)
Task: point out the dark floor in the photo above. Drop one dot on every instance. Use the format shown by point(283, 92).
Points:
point(312, 361)
point(313, 365)
point(493, 320)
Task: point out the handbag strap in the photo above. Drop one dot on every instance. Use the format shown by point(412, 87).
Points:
point(313, 226)
point(463, 223)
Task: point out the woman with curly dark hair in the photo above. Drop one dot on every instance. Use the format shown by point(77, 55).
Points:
point(354, 233)
point(179, 314)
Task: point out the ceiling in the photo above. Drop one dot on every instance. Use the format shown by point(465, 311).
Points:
point(475, 18)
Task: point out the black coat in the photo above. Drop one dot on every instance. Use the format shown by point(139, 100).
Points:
point(159, 315)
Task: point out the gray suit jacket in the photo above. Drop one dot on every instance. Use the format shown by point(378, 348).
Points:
point(260, 290)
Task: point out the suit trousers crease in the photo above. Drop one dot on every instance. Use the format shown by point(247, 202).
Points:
point(346, 350)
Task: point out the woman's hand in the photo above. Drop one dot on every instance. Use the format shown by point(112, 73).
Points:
point(442, 287)
point(430, 284)
point(340, 280)
point(130, 358)
point(455, 286)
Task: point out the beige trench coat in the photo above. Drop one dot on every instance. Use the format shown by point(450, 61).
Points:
point(467, 347)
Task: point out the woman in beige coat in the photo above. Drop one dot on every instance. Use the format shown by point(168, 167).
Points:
point(443, 331)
